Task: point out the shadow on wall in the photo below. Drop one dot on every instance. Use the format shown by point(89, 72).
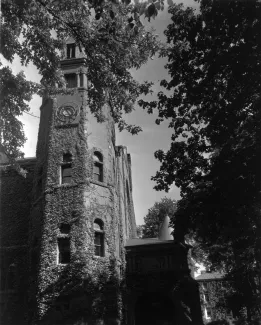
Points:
point(154, 309)
point(76, 298)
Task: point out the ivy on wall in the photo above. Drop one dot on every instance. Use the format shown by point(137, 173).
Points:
point(215, 291)
point(89, 288)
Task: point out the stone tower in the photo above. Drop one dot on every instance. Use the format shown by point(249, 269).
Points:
point(82, 212)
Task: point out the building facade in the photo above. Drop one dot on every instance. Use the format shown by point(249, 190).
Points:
point(210, 288)
point(68, 228)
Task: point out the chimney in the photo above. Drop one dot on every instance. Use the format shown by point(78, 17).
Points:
point(165, 231)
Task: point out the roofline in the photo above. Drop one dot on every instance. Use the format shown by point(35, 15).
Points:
point(166, 243)
point(212, 279)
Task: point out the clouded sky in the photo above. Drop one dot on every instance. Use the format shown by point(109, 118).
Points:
point(141, 146)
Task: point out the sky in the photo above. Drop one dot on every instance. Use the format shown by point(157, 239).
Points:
point(141, 146)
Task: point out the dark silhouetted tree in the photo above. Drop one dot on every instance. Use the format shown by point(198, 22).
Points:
point(112, 35)
point(213, 108)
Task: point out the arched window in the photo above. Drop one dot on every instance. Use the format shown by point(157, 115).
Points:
point(66, 169)
point(98, 237)
point(97, 166)
point(64, 252)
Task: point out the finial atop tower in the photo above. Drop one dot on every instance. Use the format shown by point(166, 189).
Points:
point(165, 231)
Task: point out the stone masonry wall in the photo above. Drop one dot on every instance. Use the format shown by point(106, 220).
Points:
point(89, 287)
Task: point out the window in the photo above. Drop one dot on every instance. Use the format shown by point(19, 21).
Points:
point(128, 192)
point(81, 80)
point(71, 51)
point(66, 169)
point(65, 228)
point(66, 174)
point(71, 80)
point(204, 286)
point(64, 254)
point(208, 310)
point(98, 238)
point(98, 166)
point(206, 297)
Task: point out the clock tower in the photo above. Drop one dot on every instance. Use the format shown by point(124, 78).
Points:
point(82, 212)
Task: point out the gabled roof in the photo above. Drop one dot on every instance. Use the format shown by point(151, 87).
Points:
point(209, 276)
point(146, 241)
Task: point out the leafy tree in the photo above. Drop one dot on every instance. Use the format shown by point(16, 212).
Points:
point(111, 34)
point(213, 105)
point(155, 217)
point(15, 94)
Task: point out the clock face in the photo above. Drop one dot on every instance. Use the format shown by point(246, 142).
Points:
point(67, 113)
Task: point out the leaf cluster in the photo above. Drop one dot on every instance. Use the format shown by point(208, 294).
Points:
point(155, 217)
point(109, 32)
point(213, 108)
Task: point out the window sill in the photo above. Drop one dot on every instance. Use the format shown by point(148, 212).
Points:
point(62, 265)
point(92, 181)
point(72, 185)
point(65, 185)
point(96, 257)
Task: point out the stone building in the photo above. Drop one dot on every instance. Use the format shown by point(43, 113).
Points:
point(210, 284)
point(68, 228)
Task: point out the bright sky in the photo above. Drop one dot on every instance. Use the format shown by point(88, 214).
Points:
point(141, 146)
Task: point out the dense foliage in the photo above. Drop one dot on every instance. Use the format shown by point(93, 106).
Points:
point(213, 105)
point(111, 34)
point(155, 217)
point(15, 94)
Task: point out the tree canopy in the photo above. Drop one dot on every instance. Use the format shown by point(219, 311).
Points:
point(213, 108)
point(110, 32)
point(155, 217)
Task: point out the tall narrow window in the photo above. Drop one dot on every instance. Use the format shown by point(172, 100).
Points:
point(71, 51)
point(204, 286)
point(66, 169)
point(64, 254)
point(98, 238)
point(128, 192)
point(209, 312)
point(71, 80)
point(206, 296)
point(81, 80)
point(98, 166)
